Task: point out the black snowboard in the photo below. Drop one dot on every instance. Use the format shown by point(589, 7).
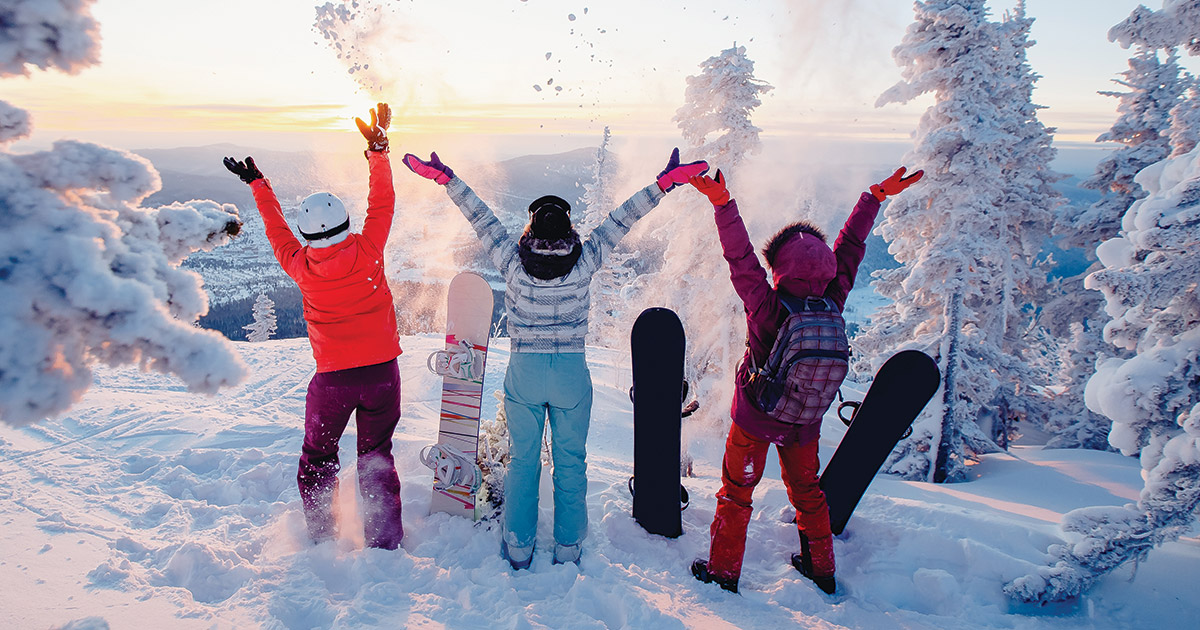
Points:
point(899, 392)
point(657, 349)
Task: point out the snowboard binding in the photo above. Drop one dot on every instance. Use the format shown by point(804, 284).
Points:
point(687, 410)
point(464, 362)
point(451, 468)
point(853, 406)
point(684, 497)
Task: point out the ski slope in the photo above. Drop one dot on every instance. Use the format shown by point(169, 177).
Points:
point(146, 506)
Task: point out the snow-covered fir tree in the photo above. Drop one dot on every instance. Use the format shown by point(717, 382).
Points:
point(1185, 119)
point(1153, 398)
point(1142, 127)
point(956, 295)
point(693, 280)
point(1176, 24)
point(610, 316)
point(90, 276)
point(1029, 207)
point(715, 116)
point(263, 325)
point(598, 198)
point(1069, 421)
point(1148, 281)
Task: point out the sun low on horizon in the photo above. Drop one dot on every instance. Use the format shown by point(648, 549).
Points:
point(222, 70)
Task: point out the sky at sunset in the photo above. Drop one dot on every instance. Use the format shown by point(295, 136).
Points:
point(191, 73)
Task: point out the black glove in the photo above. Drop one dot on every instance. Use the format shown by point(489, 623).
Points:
point(248, 171)
point(376, 132)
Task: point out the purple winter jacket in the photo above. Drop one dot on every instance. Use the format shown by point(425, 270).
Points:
point(804, 267)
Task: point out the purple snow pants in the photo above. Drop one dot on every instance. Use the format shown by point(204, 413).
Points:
point(373, 392)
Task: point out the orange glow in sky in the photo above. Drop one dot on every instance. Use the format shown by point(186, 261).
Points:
point(221, 69)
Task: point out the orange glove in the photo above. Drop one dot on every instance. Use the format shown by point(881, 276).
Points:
point(894, 184)
point(714, 189)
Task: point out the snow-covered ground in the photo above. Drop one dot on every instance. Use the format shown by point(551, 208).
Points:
point(148, 507)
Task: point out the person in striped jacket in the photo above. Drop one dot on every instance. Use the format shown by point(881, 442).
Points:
point(548, 270)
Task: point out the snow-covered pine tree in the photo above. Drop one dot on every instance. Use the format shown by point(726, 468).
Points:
point(263, 325)
point(598, 193)
point(1153, 398)
point(610, 317)
point(719, 101)
point(1070, 421)
point(693, 280)
point(1029, 206)
point(966, 237)
point(1142, 126)
point(89, 276)
point(1185, 119)
point(1176, 24)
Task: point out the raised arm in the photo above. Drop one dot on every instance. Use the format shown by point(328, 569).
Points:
point(747, 273)
point(851, 246)
point(496, 240)
point(381, 195)
point(284, 244)
point(605, 237)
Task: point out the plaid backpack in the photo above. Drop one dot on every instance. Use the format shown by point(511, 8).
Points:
point(806, 365)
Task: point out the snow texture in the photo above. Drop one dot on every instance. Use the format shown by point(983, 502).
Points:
point(148, 507)
point(89, 276)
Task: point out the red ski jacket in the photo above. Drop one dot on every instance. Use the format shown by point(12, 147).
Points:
point(347, 301)
point(804, 267)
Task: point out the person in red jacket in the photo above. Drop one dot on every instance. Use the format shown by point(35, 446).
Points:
point(802, 266)
point(352, 328)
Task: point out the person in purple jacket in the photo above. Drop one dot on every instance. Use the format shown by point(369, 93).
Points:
point(802, 266)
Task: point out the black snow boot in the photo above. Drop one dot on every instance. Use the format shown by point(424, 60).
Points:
point(803, 563)
point(700, 570)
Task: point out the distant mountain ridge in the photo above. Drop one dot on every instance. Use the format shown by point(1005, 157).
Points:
point(236, 273)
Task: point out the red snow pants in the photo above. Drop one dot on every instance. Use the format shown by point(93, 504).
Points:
point(745, 459)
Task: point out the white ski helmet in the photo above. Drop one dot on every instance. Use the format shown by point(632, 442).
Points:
point(323, 220)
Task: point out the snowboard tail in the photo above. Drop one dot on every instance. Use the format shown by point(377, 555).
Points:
point(901, 389)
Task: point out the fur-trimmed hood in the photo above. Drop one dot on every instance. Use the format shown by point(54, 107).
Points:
point(804, 266)
point(547, 259)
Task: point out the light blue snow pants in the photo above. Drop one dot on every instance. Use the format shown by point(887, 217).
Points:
point(560, 386)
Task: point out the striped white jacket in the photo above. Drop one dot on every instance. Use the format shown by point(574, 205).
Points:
point(549, 316)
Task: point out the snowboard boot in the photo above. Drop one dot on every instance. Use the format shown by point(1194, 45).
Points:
point(700, 571)
point(567, 553)
point(518, 557)
point(819, 567)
